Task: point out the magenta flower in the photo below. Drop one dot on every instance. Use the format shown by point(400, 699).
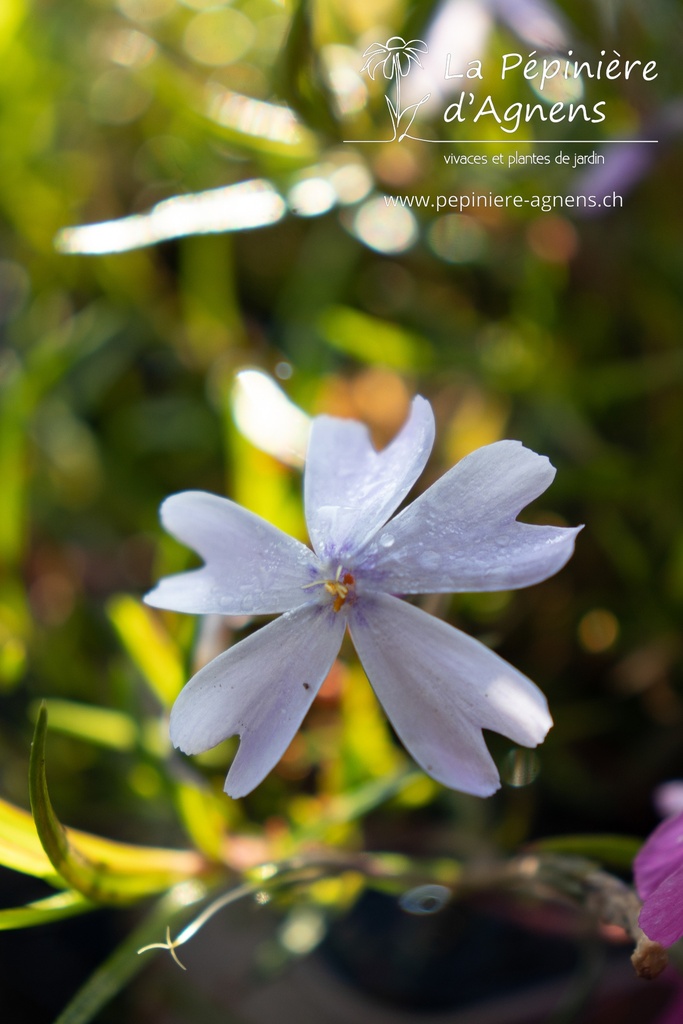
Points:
point(658, 872)
point(439, 687)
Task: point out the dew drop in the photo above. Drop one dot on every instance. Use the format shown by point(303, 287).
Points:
point(520, 767)
point(429, 559)
point(425, 899)
point(387, 540)
point(247, 604)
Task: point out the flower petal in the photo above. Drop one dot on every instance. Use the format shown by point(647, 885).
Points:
point(668, 798)
point(252, 567)
point(375, 60)
point(661, 918)
point(417, 44)
point(375, 48)
point(440, 687)
point(404, 60)
point(350, 489)
point(261, 689)
point(461, 535)
point(660, 856)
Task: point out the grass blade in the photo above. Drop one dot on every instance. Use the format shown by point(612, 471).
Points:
point(124, 963)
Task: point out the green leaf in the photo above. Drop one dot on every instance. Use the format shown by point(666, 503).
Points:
point(102, 726)
point(12, 13)
point(374, 341)
point(124, 963)
point(615, 851)
point(52, 908)
point(302, 77)
point(20, 847)
point(201, 813)
point(347, 807)
point(14, 410)
point(21, 850)
point(151, 648)
point(100, 869)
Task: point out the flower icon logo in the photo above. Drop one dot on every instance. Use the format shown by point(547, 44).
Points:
point(395, 58)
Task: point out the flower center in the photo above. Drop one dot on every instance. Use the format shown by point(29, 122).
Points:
point(338, 588)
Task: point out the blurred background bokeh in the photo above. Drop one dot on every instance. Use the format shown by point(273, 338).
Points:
point(156, 354)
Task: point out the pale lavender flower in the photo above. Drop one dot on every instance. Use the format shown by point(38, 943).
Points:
point(394, 57)
point(439, 687)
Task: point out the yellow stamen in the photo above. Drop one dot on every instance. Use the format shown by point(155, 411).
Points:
point(337, 588)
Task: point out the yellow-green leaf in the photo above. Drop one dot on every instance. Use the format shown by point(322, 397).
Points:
point(52, 908)
point(151, 648)
point(614, 851)
point(200, 811)
point(102, 726)
point(21, 850)
point(20, 847)
point(101, 870)
point(348, 807)
point(374, 341)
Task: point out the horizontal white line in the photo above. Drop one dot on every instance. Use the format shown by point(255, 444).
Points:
point(518, 142)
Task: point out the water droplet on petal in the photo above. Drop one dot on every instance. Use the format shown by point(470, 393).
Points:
point(247, 603)
point(387, 540)
point(429, 559)
point(425, 899)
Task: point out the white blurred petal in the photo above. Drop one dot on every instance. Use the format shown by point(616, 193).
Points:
point(440, 687)
point(384, 228)
point(461, 535)
point(538, 22)
point(351, 489)
point(268, 418)
point(260, 689)
point(352, 182)
point(255, 117)
point(249, 204)
point(311, 197)
point(459, 28)
point(251, 566)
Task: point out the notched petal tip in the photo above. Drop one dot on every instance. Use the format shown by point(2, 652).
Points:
point(236, 790)
point(486, 791)
point(440, 688)
point(350, 488)
point(251, 566)
point(260, 689)
point(188, 734)
point(475, 775)
point(463, 533)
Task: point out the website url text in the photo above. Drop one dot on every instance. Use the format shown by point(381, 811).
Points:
point(473, 200)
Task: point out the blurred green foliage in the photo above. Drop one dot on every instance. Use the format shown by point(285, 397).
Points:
point(117, 388)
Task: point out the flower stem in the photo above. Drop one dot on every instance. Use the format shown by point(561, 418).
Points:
point(397, 69)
